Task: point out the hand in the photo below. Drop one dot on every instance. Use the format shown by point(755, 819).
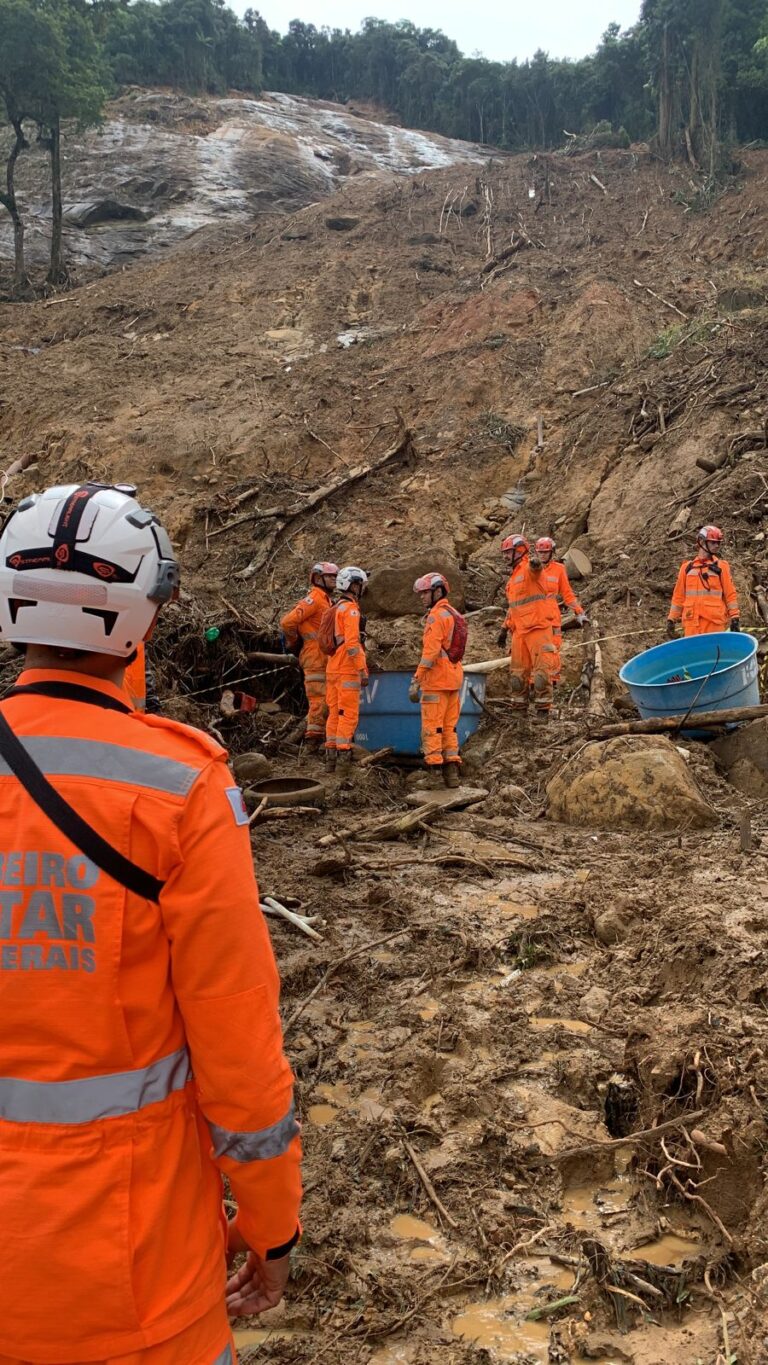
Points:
point(736, 624)
point(502, 638)
point(671, 630)
point(413, 691)
point(364, 680)
point(257, 1285)
point(582, 619)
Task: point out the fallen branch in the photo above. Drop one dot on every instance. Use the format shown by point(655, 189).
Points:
point(660, 299)
point(285, 812)
point(391, 827)
point(334, 967)
point(303, 922)
point(488, 665)
point(659, 725)
point(428, 1186)
point(287, 516)
point(523, 1246)
point(598, 705)
point(375, 757)
point(547, 1309)
point(610, 1144)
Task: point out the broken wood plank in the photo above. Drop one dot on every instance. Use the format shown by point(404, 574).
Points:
point(659, 725)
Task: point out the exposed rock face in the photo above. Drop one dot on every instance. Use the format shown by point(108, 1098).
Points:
point(390, 590)
point(634, 781)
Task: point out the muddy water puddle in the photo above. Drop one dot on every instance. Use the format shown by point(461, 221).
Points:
point(336, 1100)
point(540, 1024)
point(409, 1229)
point(322, 1114)
point(667, 1250)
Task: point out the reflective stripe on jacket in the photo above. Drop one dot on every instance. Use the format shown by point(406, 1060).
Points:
point(705, 590)
point(350, 654)
point(435, 670)
point(141, 1055)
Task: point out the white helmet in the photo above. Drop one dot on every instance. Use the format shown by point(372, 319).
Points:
point(84, 567)
point(349, 575)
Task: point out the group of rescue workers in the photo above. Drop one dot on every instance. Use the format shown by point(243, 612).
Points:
point(141, 1059)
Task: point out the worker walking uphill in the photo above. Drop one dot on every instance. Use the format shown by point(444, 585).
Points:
point(141, 1056)
point(343, 640)
point(533, 618)
point(301, 629)
point(705, 597)
point(438, 679)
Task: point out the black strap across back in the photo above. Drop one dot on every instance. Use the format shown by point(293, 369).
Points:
point(59, 812)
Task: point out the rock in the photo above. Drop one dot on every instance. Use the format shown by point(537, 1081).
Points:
point(390, 590)
point(341, 224)
point(631, 782)
point(104, 211)
point(252, 767)
point(744, 755)
point(611, 927)
point(594, 1003)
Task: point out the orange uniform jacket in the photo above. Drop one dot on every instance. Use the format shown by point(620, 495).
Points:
point(349, 659)
point(303, 622)
point(141, 1053)
point(703, 594)
point(533, 597)
point(435, 672)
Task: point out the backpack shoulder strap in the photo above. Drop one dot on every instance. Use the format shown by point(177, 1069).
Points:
point(67, 820)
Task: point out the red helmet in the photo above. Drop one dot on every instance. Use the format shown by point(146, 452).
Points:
point(323, 569)
point(515, 543)
point(429, 582)
point(545, 545)
point(710, 533)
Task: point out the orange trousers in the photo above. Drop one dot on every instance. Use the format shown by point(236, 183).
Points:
point(342, 694)
point(206, 1342)
point(439, 719)
point(534, 665)
point(315, 688)
point(697, 626)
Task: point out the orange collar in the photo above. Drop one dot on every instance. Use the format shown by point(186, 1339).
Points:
point(38, 675)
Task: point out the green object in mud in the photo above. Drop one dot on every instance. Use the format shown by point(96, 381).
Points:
point(212, 634)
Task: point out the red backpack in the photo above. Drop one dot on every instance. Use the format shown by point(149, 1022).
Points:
point(458, 645)
point(326, 635)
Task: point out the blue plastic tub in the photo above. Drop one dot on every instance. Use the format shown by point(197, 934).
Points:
point(389, 720)
point(665, 681)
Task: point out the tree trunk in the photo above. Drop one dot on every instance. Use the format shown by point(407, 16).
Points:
point(665, 120)
point(9, 202)
point(57, 272)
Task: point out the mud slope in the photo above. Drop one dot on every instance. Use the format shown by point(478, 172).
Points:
point(525, 1003)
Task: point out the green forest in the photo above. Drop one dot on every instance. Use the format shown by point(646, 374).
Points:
point(690, 75)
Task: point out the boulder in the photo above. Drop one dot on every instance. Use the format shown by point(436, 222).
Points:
point(744, 755)
point(103, 211)
point(251, 767)
point(390, 589)
point(632, 782)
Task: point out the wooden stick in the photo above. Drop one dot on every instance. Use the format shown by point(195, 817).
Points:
point(253, 817)
point(334, 967)
point(523, 1246)
point(272, 907)
point(708, 720)
point(286, 517)
point(488, 665)
point(666, 302)
point(374, 757)
point(608, 1144)
point(428, 1186)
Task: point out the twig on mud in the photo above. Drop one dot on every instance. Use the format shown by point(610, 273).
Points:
point(428, 1186)
point(699, 1199)
point(253, 817)
point(606, 1144)
point(523, 1246)
point(334, 967)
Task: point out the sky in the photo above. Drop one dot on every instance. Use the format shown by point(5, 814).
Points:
point(499, 29)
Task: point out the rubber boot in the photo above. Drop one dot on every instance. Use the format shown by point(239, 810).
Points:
point(451, 775)
point(542, 716)
point(330, 760)
point(343, 763)
point(434, 777)
point(312, 746)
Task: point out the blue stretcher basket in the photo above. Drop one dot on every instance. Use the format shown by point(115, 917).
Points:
point(665, 681)
point(389, 720)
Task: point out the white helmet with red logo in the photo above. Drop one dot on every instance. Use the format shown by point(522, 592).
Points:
point(84, 567)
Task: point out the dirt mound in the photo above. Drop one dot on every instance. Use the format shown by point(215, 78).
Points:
point(744, 755)
point(632, 782)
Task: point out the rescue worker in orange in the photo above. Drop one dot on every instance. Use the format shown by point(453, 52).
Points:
point(347, 671)
point(533, 619)
point(704, 598)
point(301, 627)
point(437, 683)
point(141, 1056)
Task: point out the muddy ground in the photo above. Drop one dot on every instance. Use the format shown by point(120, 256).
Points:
point(524, 999)
point(465, 1081)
